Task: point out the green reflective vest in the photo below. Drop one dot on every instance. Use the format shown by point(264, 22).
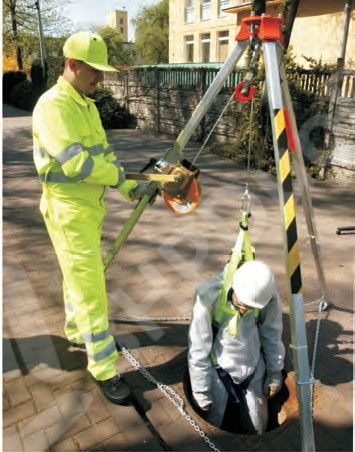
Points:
point(70, 145)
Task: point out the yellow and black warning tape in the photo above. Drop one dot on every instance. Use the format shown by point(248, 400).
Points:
point(283, 134)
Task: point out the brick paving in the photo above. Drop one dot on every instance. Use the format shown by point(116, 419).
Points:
point(50, 402)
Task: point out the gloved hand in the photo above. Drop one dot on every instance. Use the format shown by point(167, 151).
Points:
point(127, 189)
point(146, 188)
point(273, 383)
point(139, 191)
point(203, 400)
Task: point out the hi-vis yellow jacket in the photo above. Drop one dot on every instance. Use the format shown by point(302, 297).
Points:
point(70, 145)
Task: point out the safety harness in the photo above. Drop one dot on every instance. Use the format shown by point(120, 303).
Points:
point(242, 252)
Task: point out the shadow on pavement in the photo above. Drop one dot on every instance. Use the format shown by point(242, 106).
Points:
point(29, 352)
point(8, 111)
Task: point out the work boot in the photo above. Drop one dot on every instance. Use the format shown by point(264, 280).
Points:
point(115, 390)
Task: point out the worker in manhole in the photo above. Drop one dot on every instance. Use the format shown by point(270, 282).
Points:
point(235, 363)
point(75, 165)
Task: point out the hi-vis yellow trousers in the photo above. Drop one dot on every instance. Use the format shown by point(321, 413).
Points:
point(74, 225)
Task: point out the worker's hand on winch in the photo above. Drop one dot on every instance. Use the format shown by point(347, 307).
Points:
point(203, 400)
point(127, 189)
point(145, 188)
point(273, 383)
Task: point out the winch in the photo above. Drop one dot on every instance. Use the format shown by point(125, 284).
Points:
point(178, 183)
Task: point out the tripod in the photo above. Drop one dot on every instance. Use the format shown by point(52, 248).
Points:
point(264, 34)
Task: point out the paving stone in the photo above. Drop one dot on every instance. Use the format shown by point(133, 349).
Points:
point(44, 374)
point(97, 411)
point(163, 412)
point(35, 442)
point(67, 428)
point(17, 392)
point(40, 421)
point(42, 395)
point(57, 318)
point(95, 434)
point(180, 437)
point(130, 423)
point(19, 310)
point(74, 402)
point(12, 375)
point(67, 445)
point(115, 443)
point(84, 384)
point(53, 310)
point(5, 401)
point(56, 377)
point(11, 440)
point(18, 413)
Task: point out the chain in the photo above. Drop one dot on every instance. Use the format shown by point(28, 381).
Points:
point(169, 393)
point(315, 346)
point(184, 317)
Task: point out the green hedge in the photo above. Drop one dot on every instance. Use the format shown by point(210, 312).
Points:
point(113, 115)
point(37, 73)
point(25, 95)
point(9, 80)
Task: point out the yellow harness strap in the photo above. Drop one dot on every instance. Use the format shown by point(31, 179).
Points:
point(242, 251)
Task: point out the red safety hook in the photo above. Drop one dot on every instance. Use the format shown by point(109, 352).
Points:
point(243, 97)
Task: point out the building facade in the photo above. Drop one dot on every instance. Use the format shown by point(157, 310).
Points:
point(118, 20)
point(200, 31)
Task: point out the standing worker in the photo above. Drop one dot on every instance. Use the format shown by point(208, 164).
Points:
point(236, 364)
point(75, 165)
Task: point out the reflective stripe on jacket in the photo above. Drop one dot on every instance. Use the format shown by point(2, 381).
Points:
point(238, 355)
point(70, 144)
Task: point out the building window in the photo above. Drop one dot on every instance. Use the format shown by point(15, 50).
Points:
point(205, 9)
point(121, 30)
point(189, 11)
point(223, 44)
point(221, 5)
point(189, 49)
point(205, 47)
point(121, 21)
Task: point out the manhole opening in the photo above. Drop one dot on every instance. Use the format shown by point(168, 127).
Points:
point(278, 409)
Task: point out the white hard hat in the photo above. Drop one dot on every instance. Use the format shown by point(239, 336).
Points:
point(254, 284)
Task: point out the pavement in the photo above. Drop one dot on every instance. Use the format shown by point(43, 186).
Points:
point(49, 401)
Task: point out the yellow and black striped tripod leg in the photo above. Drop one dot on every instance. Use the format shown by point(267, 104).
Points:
point(288, 201)
point(278, 114)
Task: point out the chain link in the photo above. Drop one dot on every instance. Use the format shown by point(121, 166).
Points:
point(184, 317)
point(169, 393)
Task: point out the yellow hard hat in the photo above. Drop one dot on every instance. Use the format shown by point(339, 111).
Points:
point(88, 47)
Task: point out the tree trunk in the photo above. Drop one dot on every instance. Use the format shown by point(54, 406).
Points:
point(289, 13)
point(19, 59)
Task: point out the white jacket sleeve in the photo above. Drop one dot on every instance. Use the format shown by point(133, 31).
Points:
point(270, 332)
point(201, 336)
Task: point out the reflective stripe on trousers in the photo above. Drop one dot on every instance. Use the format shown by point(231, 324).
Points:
point(75, 231)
